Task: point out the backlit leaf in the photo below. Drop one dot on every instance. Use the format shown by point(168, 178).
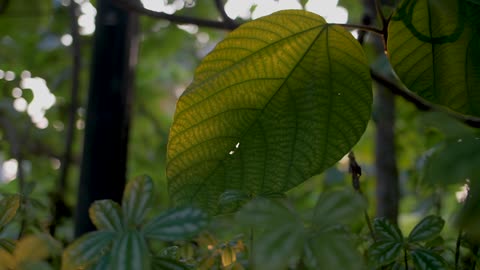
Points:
point(281, 99)
point(425, 259)
point(426, 229)
point(106, 215)
point(337, 207)
point(87, 250)
point(130, 252)
point(136, 198)
point(176, 224)
point(434, 49)
point(8, 208)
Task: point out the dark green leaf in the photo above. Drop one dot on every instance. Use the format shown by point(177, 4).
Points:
point(425, 259)
point(7, 245)
point(130, 252)
point(387, 231)
point(8, 209)
point(327, 251)
point(338, 207)
point(281, 99)
point(263, 212)
point(384, 252)
point(136, 199)
point(427, 229)
point(87, 250)
point(160, 263)
point(434, 51)
point(176, 224)
point(106, 215)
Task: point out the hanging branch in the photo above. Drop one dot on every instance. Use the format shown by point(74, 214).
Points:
point(221, 9)
point(134, 7)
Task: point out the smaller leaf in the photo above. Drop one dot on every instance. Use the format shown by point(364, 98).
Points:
point(169, 252)
point(176, 224)
point(277, 247)
point(425, 259)
point(264, 212)
point(338, 207)
point(87, 250)
point(229, 256)
point(384, 252)
point(136, 199)
point(427, 229)
point(8, 208)
point(233, 196)
point(130, 252)
point(387, 231)
point(160, 263)
point(106, 215)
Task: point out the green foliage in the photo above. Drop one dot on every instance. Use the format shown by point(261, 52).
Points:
point(391, 248)
point(8, 209)
point(433, 48)
point(123, 233)
point(276, 102)
point(286, 238)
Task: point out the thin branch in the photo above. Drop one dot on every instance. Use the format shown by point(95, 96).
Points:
point(420, 103)
point(130, 6)
point(378, 7)
point(361, 27)
point(221, 9)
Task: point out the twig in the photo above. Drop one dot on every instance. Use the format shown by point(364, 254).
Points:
point(58, 197)
point(361, 27)
point(356, 172)
point(457, 248)
point(221, 9)
point(130, 6)
point(405, 257)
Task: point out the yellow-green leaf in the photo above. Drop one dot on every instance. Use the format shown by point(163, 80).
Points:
point(281, 99)
point(8, 208)
point(434, 49)
point(106, 215)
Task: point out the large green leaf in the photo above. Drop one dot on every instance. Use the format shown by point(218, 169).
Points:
point(130, 252)
point(87, 250)
point(327, 251)
point(434, 49)
point(136, 198)
point(337, 207)
point(427, 229)
point(176, 224)
point(106, 215)
point(8, 209)
point(281, 99)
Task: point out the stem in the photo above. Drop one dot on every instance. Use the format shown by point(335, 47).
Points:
point(250, 253)
point(457, 249)
point(221, 9)
point(405, 257)
point(378, 7)
point(361, 27)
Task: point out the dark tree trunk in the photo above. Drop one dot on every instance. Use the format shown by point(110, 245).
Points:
point(103, 169)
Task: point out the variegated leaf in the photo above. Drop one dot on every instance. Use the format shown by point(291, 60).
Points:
point(427, 229)
point(384, 252)
point(106, 215)
point(387, 231)
point(425, 259)
point(87, 250)
point(176, 224)
point(136, 198)
point(130, 252)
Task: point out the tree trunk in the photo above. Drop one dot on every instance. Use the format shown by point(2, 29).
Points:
point(103, 169)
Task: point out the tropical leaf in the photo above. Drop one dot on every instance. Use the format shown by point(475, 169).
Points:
point(265, 213)
point(160, 263)
point(87, 250)
point(425, 259)
point(328, 251)
point(337, 207)
point(176, 224)
point(106, 215)
point(384, 252)
point(387, 231)
point(8, 209)
point(136, 199)
point(279, 245)
point(427, 229)
point(130, 252)
point(434, 50)
point(281, 99)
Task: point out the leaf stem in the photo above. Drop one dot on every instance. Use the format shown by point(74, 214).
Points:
point(361, 27)
point(405, 257)
point(457, 248)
